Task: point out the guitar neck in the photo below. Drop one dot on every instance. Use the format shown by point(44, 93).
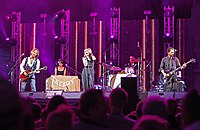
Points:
point(180, 67)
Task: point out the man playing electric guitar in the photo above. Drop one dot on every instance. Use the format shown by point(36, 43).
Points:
point(30, 64)
point(167, 67)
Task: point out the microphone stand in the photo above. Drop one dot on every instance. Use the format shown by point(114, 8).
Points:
point(13, 67)
point(140, 68)
point(104, 78)
point(71, 69)
point(174, 79)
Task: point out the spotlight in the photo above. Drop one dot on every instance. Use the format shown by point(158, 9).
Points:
point(11, 17)
point(168, 38)
point(114, 14)
point(93, 14)
point(60, 14)
point(11, 41)
point(113, 39)
point(55, 37)
point(43, 16)
point(146, 12)
point(59, 40)
point(168, 13)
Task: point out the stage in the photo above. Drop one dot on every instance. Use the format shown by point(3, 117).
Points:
point(73, 97)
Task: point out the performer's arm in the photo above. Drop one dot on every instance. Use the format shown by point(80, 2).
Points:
point(64, 72)
point(162, 64)
point(85, 62)
point(38, 66)
point(22, 70)
point(55, 71)
point(179, 64)
point(93, 57)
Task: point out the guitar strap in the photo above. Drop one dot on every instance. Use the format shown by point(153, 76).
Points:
point(26, 67)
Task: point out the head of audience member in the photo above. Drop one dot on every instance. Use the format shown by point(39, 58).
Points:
point(14, 114)
point(172, 106)
point(179, 118)
point(60, 119)
point(36, 110)
point(76, 111)
point(93, 106)
point(151, 122)
point(191, 108)
point(154, 106)
point(139, 109)
point(55, 101)
point(118, 100)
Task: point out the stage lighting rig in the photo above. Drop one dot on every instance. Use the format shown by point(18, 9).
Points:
point(60, 14)
point(168, 38)
point(11, 17)
point(59, 40)
point(168, 12)
point(11, 41)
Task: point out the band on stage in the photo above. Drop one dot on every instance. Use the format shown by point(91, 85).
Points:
point(170, 70)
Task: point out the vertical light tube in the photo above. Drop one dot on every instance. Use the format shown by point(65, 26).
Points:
point(85, 34)
point(76, 46)
point(143, 54)
point(34, 35)
point(152, 69)
point(100, 48)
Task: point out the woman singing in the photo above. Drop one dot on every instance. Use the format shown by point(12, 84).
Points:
point(88, 70)
point(60, 69)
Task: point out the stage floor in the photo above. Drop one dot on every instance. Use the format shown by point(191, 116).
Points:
point(73, 97)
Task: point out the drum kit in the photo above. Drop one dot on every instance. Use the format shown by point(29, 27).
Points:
point(111, 72)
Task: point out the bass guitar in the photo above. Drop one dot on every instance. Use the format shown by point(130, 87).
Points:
point(169, 74)
point(27, 74)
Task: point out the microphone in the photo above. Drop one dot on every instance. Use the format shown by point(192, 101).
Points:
point(175, 50)
point(22, 54)
point(138, 44)
point(148, 64)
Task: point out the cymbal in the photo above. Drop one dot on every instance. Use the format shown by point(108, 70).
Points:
point(136, 60)
point(115, 68)
point(107, 66)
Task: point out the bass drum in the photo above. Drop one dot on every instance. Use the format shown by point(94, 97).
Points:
point(109, 79)
point(112, 81)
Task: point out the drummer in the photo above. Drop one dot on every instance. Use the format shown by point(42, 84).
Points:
point(131, 67)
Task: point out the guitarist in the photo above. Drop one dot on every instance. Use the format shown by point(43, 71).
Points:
point(30, 64)
point(168, 64)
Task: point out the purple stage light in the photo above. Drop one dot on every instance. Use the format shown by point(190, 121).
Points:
point(167, 34)
point(55, 37)
point(7, 39)
point(11, 41)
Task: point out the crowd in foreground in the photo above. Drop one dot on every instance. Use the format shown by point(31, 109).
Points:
point(97, 112)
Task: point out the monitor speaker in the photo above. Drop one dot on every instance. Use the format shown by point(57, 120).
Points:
point(130, 85)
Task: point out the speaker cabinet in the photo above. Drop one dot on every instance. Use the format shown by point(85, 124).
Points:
point(130, 85)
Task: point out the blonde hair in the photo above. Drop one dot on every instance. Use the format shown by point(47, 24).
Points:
point(38, 52)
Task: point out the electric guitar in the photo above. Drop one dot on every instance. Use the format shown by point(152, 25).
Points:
point(169, 74)
point(24, 77)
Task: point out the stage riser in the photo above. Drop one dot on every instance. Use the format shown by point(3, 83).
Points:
point(50, 94)
point(176, 95)
point(42, 95)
